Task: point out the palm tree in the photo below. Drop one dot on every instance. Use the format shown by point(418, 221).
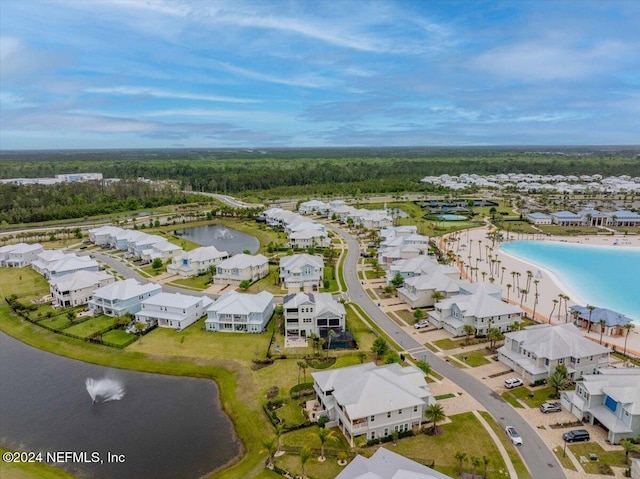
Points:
point(523, 292)
point(460, 457)
point(602, 324)
point(424, 366)
point(590, 308)
point(566, 307)
point(555, 302)
point(305, 455)
point(325, 435)
point(508, 288)
point(561, 296)
point(437, 296)
point(485, 464)
point(535, 303)
point(332, 333)
point(270, 446)
point(558, 382)
point(628, 327)
point(468, 331)
point(304, 371)
point(299, 364)
point(475, 462)
point(279, 429)
point(434, 414)
point(495, 335)
point(628, 447)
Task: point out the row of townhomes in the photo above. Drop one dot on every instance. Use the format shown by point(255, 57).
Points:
point(339, 210)
point(301, 231)
point(19, 255)
point(372, 401)
point(610, 398)
point(534, 182)
point(138, 244)
point(534, 352)
point(586, 217)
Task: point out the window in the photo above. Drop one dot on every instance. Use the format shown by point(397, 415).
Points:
point(561, 361)
point(373, 434)
point(546, 362)
point(399, 411)
point(610, 403)
point(415, 408)
point(373, 418)
point(389, 414)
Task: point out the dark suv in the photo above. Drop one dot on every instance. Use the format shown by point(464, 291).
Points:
point(576, 435)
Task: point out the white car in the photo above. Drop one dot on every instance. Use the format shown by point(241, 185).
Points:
point(421, 324)
point(513, 435)
point(513, 383)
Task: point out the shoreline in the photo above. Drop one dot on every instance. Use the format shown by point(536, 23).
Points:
point(470, 250)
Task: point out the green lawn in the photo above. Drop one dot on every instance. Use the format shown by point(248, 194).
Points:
point(58, 323)
point(268, 283)
point(454, 437)
point(564, 459)
point(507, 396)
point(521, 470)
point(610, 458)
point(194, 342)
point(151, 271)
point(23, 282)
point(445, 396)
point(540, 395)
point(370, 274)
point(570, 230)
point(91, 326)
point(448, 343)
point(474, 358)
point(118, 336)
point(314, 469)
point(363, 334)
point(291, 412)
point(196, 282)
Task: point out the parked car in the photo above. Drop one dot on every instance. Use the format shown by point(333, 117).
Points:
point(421, 324)
point(577, 435)
point(513, 435)
point(550, 407)
point(513, 383)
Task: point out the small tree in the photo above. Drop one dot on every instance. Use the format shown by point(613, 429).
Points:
point(397, 280)
point(460, 457)
point(475, 463)
point(325, 435)
point(418, 314)
point(71, 316)
point(157, 263)
point(305, 455)
point(424, 366)
point(559, 379)
point(139, 327)
point(380, 347)
point(392, 357)
point(434, 414)
point(244, 284)
point(628, 447)
point(362, 356)
point(270, 446)
point(468, 331)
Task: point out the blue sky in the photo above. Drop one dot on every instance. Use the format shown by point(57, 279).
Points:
point(154, 74)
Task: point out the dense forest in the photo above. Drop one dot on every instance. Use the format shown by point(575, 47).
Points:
point(32, 203)
point(269, 174)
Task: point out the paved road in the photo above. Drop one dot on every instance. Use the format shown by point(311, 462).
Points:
point(228, 200)
point(539, 459)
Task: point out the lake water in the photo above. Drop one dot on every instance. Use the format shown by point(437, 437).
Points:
point(223, 238)
point(167, 427)
point(602, 276)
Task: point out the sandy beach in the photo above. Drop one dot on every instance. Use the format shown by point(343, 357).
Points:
point(474, 249)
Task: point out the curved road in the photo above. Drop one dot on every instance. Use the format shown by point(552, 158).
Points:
point(539, 459)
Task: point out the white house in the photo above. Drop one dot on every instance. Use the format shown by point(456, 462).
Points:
point(55, 264)
point(313, 206)
point(172, 310)
point(317, 313)
point(610, 398)
point(310, 237)
point(539, 218)
point(197, 261)
point(121, 240)
point(240, 313)
point(534, 352)
point(163, 250)
point(420, 291)
point(385, 464)
point(476, 308)
point(102, 236)
point(567, 218)
point(77, 288)
point(241, 267)
point(19, 255)
point(372, 401)
point(419, 266)
point(122, 297)
point(301, 271)
point(143, 242)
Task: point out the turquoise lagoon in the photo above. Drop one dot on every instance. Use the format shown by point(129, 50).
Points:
point(603, 276)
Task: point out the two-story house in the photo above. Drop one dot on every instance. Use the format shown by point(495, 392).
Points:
point(240, 313)
point(308, 238)
point(386, 464)
point(55, 264)
point(19, 255)
point(610, 398)
point(101, 236)
point(312, 313)
point(241, 267)
point(419, 291)
point(313, 206)
point(534, 352)
point(163, 250)
point(301, 271)
point(77, 288)
point(197, 261)
point(477, 307)
point(421, 265)
point(122, 297)
point(372, 401)
point(172, 310)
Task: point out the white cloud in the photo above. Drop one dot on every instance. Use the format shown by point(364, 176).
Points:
point(160, 93)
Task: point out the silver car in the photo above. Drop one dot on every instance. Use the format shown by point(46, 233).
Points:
point(513, 435)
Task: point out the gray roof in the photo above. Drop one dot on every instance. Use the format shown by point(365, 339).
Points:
point(385, 464)
point(610, 317)
point(555, 342)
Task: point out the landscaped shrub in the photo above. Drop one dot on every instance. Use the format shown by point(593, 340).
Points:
point(322, 421)
point(273, 392)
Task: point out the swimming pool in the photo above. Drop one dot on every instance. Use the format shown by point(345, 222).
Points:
point(450, 217)
point(603, 276)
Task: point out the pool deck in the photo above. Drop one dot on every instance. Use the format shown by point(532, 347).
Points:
point(548, 289)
